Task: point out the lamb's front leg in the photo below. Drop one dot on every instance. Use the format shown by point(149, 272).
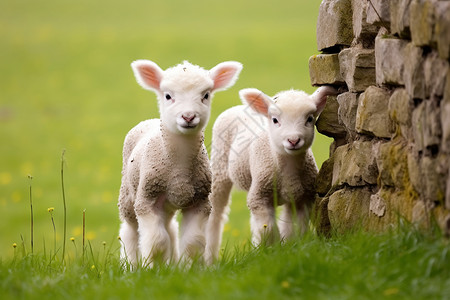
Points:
point(294, 220)
point(154, 238)
point(262, 220)
point(129, 252)
point(193, 230)
point(285, 223)
point(155, 229)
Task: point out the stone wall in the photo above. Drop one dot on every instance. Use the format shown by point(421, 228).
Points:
point(390, 123)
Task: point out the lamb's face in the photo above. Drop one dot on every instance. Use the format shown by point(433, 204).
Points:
point(291, 115)
point(185, 91)
point(291, 122)
point(185, 102)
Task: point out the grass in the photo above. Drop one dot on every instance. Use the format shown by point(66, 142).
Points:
point(401, 264)
point(66, 83)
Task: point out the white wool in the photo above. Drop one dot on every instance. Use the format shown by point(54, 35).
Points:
point(165, 164)
point(263, 147)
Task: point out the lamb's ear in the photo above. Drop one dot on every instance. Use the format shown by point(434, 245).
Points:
point(320, 97)
point(225, 74)
point(148, 74)
point(256, 99)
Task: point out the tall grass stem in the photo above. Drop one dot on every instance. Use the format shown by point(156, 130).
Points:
point(64, 205)
point(84, 231)
point(31, 213)
point(50, 210)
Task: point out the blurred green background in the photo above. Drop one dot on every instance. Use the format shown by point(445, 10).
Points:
point(66, 83)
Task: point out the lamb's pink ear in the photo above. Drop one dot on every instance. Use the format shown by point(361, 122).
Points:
point(225, 74)
point(148, 74)
point(320, 97)
point(256, 99)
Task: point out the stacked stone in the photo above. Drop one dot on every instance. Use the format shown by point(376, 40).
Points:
point(390, 157)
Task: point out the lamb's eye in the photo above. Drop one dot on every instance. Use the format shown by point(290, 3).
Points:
point(310, 119)
point(275, 120)
point(168, 97)
point(206, 96)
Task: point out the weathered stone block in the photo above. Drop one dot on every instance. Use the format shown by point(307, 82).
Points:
point(421, 22)
point(432, 130)
point(414, 75)
point(445, 113)
point(435, 73)
point(325, 177)
point(320, 217)
point(421, 213)
point(325, 69)
point(434, 178)
point(380, 8)
point(426, 127)
point(389, 60)
point(372, 116)
point(364, 32)
point(357, 67)
point(349, 208)
point(429, 176)
point(398, 204)
point(400, 107)
point(447, 193)
point(348, 106)
point(337, 143)
point(392, 162)
point(334, 24)
point(445, 122)
point(400, 111)
point(442, 29)
point(418, 127)
point(400, 17)
point(414, 171)
point(355, 164)
point(377, 205)
point(328, 121)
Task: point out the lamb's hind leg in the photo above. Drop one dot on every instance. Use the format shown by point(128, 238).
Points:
point(220, 201)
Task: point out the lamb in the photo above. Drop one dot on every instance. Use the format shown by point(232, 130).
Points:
point(166, 166)
point(263, 147)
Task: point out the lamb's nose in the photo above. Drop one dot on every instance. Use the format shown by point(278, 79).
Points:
point(188, 117)
point(294, 142)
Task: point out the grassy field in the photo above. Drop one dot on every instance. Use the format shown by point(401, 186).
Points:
point(66, 83)
point(402, 264)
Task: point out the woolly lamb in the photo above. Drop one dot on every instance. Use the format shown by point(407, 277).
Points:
point(165, 164)
point(263, 147)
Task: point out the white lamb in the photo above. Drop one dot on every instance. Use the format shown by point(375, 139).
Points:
point(263, 147)
point(165, 163)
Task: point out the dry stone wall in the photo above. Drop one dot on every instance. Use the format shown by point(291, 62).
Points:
point(390, 157)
